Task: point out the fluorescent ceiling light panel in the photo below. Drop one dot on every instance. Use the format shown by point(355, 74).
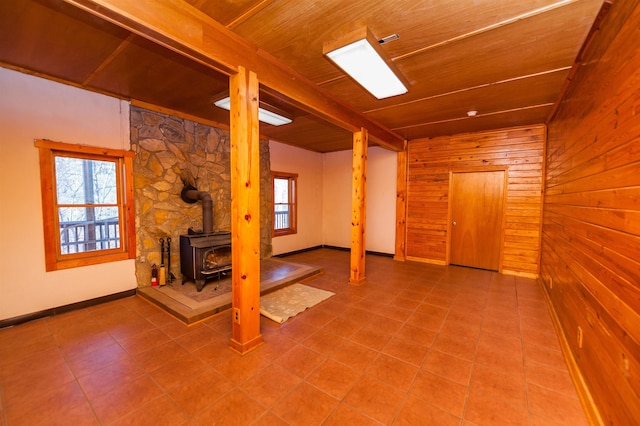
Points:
point(364, 64)
point(264, 115)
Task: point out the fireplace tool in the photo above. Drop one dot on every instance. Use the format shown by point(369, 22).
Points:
point(170, 276)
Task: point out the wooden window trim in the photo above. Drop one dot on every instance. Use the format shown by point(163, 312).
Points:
point(124, 159)
point(293, 201)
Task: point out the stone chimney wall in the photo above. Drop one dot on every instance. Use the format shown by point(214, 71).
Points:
point(169, 149)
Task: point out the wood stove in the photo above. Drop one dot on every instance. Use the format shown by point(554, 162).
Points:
point(204, 256)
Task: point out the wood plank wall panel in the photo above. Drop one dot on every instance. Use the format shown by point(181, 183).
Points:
point(590, 265)
point(520, 150)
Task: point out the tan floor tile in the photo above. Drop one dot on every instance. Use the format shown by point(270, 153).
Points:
point(416, 335)
point(355, 355)
point(235, 408)
point(430, 320)
point(334, 378)
point(404, 303)
point(125, 398)
point(317, 317)
point(549, 356)
point(458, 346)
point(161, 411)
point(166, 353)
point(500, 353)
point(82, 345)
point(305, 405)
point(49, 406)
point(200, 392)
point(275, 345)
point(135, 345)
point(383, 324)
point(270, 384)
point(176, 329)
point(455, 369)
point(323, 342)
point(482, 409)
point(106, 379)
point(397, 314)
point(198, 337)
point(128, 326)
point(418, 412)
point(297, 330)
point(497, 325)
point(441, 392)
point(300, 361)
point(342, 327)
point(555, 407)
point(468, 330)
point(407, 351)
point(345, 415)
point(371, 338)
point(269, 419)
point(240, 368)
point(393, 372)
point(550, 378)
point(215, 353)
point(500, 384)
point(18, 380)
point(100, 358)
point(375, 399)
point(175, 374)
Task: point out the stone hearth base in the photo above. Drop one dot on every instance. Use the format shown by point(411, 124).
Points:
point(188, 305)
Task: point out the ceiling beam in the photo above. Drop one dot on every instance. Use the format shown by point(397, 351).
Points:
point(186, 30)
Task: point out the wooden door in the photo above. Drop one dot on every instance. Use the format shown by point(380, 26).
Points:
point(477, 201)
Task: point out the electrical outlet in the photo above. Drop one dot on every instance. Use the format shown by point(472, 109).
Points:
point(236, 316)
point(579, 337)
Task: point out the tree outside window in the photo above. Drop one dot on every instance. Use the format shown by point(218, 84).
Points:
point(284, 203)
point(87, 199)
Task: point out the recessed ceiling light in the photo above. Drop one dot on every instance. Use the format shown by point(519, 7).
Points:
point(472, 113)
point(266, 112)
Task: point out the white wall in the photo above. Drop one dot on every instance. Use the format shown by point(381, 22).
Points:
point(380, 193)
point(382, 166)
point(308, 166)
point(33, 108)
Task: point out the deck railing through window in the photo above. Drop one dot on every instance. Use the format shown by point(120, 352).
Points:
point(82, 236)
point(282, 220)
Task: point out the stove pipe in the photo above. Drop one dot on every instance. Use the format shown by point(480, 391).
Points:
point(190, 195)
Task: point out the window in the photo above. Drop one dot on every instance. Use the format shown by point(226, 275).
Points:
point(87, 204)
point(284, 203)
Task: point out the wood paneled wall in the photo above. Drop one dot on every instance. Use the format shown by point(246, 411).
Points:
point(590, 265)
point(519, 150)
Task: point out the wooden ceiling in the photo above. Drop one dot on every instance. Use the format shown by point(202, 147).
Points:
point(506, 59)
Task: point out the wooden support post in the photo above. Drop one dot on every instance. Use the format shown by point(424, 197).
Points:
point(359, 207)
point(401, 206)
point(245, 212)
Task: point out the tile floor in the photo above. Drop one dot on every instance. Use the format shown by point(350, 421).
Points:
point(418, 345)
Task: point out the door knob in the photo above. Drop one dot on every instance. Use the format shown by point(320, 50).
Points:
point(454, 223)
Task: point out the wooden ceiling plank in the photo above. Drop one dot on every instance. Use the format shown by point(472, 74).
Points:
point(249, 13)
point(466, 89)
point(184, 29)
point(109, 59)
point(449, 120)
point(487, 28)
